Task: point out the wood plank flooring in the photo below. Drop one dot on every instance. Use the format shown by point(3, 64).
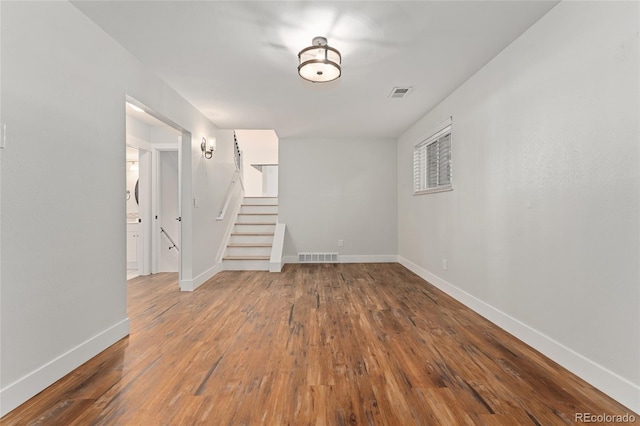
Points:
point(314, 345)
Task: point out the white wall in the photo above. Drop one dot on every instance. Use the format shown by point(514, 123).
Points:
point(138, 133)
point(258, 147)
point(163, 135)
point(541, 231)
point(270, 181)
point(63, 295)
point(210, 180)
point(339, 189)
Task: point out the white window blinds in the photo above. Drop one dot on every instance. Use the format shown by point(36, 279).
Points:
point(432, 163)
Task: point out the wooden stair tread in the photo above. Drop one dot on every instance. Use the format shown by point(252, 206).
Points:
point(257, 214)
point(261, 205)
point(256, 223)
point(246, 258)
point(261, 234)
point(250, 245)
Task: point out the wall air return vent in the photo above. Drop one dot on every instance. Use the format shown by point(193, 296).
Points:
point(317, 257)
point(399, 92)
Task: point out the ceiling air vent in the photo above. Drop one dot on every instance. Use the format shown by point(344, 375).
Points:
point(399, 92)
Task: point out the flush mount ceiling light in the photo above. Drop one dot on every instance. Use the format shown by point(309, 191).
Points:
point(319, 63)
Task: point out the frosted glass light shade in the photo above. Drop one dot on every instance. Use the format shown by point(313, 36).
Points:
point(319, 63)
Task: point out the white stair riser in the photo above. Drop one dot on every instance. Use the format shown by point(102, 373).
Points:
point(247, 239)
point(262, 218)
point(248, 251)
point(253, 228)
point(258, 209)
point(260, 200)
point(245, 265)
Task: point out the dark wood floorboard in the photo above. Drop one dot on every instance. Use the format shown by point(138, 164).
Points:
point(314, 345)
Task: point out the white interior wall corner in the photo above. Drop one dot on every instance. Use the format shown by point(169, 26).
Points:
point(542, 224)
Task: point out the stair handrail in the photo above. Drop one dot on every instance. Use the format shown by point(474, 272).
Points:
point(237, 154)
point(229, 195)
point(166, 234)
point(237, 159)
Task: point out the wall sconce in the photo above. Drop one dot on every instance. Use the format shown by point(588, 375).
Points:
point(208, 148)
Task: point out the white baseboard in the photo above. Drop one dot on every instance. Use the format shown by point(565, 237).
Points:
point(192, 284)
point(617, 387)
point(389, 258)
point(21, 390)
point(375, 258)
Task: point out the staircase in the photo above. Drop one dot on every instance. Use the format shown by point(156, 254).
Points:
point(249, 247)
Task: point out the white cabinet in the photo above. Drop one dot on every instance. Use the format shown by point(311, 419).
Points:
point(134, 243)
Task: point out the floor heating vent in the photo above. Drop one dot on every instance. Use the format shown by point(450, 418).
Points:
point(317, 257)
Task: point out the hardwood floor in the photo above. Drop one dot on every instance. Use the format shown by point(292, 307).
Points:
point(316, 344)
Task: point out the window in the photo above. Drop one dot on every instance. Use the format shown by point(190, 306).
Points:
point(432, 163)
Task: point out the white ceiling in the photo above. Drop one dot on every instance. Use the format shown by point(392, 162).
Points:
point(236, 61)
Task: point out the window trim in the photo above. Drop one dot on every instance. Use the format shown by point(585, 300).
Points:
point(444, 129)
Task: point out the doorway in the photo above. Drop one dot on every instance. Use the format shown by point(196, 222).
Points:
point(153, 192)
point(167, 216)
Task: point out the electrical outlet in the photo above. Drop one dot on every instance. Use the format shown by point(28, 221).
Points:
point(340, 243)
point(196, 202)
point(3, 135)
point(444, 264)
